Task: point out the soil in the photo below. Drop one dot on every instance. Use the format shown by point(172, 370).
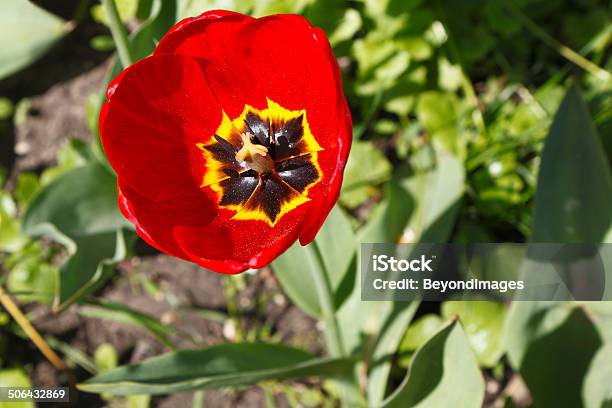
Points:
point(58, 87)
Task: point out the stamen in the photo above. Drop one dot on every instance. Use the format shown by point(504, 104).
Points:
point(254, 154)
point(249, 149)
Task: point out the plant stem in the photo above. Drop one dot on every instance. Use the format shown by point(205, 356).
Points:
point(31, 332)
point(326, 301)
point(565, 51)
point(119, 33)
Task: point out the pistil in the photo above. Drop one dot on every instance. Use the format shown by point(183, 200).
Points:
point(255, 155)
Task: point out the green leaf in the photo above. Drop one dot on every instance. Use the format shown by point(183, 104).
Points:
point(27, 185)
point(126, 8)
point(574, 193)
point(27, 33)
point(483, 323)
point(193, 8)
point(79, 210)
point(348, 26)
point(138, 401)
point(102, 43)
point(123, 314)
point(81, 202)
point(438, 194)
point(366, 167)
point(438, 113)
point(443, 373)
point(30, 276)
point(335, 246)
point(597, 390)
point(144, 40)
point(73, 154)
point(386, 346)
point(11, 239)
point(390, 217)
point(551, 345)
point(73, 355)
point(536, 333)
point(355, 317)
point(418, 333)
point(224, 365)
point(293, 270)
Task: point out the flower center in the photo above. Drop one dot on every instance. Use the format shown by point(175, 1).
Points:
point(263, 163)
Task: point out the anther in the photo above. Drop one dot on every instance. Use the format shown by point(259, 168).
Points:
point(255, 155)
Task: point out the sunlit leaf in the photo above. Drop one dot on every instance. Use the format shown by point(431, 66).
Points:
point(443, 373)
point(597, 389)
point(366, 167)
point(27, 33)
point(439, 193)
point(483, 323)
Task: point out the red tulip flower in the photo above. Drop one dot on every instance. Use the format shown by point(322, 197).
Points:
point(229, 142)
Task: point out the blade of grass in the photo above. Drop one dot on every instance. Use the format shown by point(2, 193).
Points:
point(23, 322)
point(562, 49)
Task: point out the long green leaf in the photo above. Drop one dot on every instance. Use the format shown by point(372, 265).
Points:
point(332, 252)
point(572, 205)
point(359, 319)
point(224, 365)
point(551, 346)
point(574, 191)
point(437, 195)
point(443, 373)
point(388, 342)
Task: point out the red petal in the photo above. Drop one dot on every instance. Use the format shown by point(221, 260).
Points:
point(253, 244)
point(158, 109)
point(155, 220)
point(212, 37)
point(208, 15)
point(280, 57)
point(185, 227)
point(325, 194)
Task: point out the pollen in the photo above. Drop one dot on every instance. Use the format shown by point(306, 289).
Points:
point(249, 149)
point(255, 155)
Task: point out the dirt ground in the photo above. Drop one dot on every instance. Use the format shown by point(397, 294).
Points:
point(58, 87)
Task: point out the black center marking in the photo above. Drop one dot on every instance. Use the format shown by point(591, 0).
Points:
point(294, 166)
